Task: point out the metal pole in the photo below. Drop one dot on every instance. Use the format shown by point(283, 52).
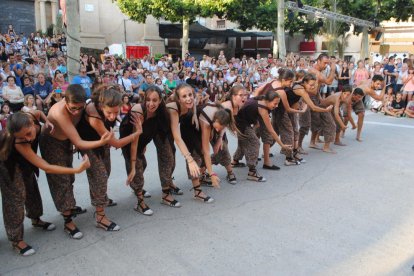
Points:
point(125, 35)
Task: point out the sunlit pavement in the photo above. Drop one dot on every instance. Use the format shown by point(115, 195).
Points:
point(343, 214)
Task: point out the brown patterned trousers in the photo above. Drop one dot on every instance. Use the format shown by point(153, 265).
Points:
point(59, 153)
point(17, 194)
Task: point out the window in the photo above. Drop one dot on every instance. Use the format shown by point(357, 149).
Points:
point(221, 24)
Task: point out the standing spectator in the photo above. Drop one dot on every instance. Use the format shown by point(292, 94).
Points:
point(403, 73)
point(408, 88)
point(344, 76)
point(84, 81)
point(42, 91)
point(391, 73)
point(4, 114)
point(361, 74)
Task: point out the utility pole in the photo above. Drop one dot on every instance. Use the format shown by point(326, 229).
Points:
point(73, 38)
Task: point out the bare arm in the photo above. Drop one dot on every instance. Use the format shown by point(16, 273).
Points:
point(26, 151)
point(194, 169)
point(338, 118)
point(205, 140)
point(301, 92)
point(265, 116)
point(70, 131)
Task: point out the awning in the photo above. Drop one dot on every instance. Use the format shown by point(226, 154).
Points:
point(175, 30)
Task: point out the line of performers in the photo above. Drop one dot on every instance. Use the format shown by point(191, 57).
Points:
point(198, 131)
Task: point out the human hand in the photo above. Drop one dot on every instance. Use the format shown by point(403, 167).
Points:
point(215, 180)
point(107, 136)
point(50, 126)
point(131, 176)
point(193, 168)
point(85, 164)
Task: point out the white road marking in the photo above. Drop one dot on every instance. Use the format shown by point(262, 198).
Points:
point(388, 124)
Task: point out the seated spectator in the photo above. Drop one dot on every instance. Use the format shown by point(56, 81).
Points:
point(60, 82)
point(28, 87)
point(397, 106)
point(409, 109)
point(42, 91)
point(29, 103)
point(13, 94)
point(201, 82)
point(170, 84)
point(125, 108)
point(158, 83)
point(192, 80)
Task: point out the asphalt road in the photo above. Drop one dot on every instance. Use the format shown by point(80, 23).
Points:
point(343, 214)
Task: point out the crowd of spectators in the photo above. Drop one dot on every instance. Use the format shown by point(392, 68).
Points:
point(33, 74)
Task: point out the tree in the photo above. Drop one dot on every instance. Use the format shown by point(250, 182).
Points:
point(184, 11)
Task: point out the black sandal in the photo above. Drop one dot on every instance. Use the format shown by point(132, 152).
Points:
point(143, 210)
point(77, 210)
point(237, 164)
point(43, 224)
point(176, 191)
point(111, 227)
point(111, 203)
point(24, 251)
point(172, 203)
point(197, 196)
point(146, 194)
point(73, 233)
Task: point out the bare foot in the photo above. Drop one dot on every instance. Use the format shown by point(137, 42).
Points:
point(314, 146)
point(328, 150)
point(339, 144)
point(359, 139)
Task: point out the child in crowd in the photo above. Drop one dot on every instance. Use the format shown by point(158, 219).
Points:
point(395, 107)
point(409, 109)
point(29, 103)
point(4, 114)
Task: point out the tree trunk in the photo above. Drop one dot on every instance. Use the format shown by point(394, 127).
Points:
point(364, 44)
point(281, 28)
point(275, 46)
point(186, 31)
point(73, 38)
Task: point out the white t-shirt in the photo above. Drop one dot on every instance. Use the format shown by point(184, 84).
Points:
point(126, 83)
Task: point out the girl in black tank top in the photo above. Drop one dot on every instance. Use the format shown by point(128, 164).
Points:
point(214, 119)
point(183, 115)
point(97, 120)
point(18, 164)
point(255, 111)
point(155, 127)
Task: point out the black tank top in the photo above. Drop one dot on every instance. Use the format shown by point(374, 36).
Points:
point(86, 131)
point(150, 128)
point(16, 158)
point(249, 114)
point(189, 132)
point(215, 135)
